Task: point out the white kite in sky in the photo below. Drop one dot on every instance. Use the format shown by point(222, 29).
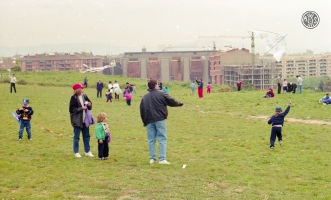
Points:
point(274, 43)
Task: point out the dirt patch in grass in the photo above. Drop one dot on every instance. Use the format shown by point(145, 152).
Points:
point(91, 197)
point(306, 121)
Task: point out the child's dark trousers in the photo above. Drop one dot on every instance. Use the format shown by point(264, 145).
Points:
point(275, 131)
point(103, 149)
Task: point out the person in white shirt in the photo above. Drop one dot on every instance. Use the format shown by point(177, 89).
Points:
point(117, 90)
point(300, 80)
point(12, 82)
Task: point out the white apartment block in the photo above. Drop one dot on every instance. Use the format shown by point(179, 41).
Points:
point(305, 65)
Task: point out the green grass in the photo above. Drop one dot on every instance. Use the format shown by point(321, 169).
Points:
point(225, 148)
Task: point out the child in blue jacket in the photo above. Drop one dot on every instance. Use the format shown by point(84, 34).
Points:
point(277, 122)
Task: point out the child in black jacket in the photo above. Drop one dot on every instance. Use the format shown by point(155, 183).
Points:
point(24, 114)
point(277, 122)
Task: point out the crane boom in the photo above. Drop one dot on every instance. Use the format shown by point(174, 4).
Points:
point(251, 36)
point(225, 36)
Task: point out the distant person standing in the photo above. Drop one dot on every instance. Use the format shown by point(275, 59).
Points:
point(153, 113)
point(166, 90)
point(117, 90)
point(99, 89)
point(209, 86)
point(300, 81)
point(128, 97)
point(12, 82)
point(85, 81)
point(200, 87)
point(279, 83)
point(285, 86)
point(239, 84)
point(160, 85)
point(78, 106)
point(192, 86)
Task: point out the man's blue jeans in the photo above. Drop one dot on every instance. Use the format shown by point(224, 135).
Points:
point(86, 138)
point(299, 89)
point(27, 125)
point(157, 130)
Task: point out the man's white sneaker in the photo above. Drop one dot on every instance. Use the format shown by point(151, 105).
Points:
point(89, 154)
point(164, 162)
point(281, 143)
point(151, 161)
point(77, 155)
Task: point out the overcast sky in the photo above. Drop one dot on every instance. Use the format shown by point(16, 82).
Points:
point(133, 24)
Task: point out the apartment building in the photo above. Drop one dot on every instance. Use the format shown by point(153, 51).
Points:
point(59, 61)
point(304, 65)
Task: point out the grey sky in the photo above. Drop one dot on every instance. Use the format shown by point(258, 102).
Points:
point(134, 24)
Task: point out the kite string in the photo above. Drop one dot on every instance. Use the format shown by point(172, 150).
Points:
point(38, 125)
point(275, 44)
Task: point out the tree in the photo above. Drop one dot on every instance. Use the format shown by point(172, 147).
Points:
point(327, 86)
point(321, 85)
point(16, 68)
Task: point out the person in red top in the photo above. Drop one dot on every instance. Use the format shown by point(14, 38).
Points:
point(239, 84)
point(269, 94)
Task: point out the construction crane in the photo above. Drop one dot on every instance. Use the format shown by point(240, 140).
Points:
point(169, 46)
point(251, 36)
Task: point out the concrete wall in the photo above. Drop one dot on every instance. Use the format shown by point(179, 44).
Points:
point(186, 65)
point(205, 75)
point(125, 66)
point(143, 67)
point(165, 69)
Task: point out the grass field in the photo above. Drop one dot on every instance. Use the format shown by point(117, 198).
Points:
point(223, 139)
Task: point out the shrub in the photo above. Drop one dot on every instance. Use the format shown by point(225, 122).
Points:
point(22, 82)
point(186, 84)
point(225, 88)
point(6, 80)
point(16, 68)
point(248, 86)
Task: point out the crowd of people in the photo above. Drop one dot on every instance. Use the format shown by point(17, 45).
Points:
point(289, 87)
point(153, 113)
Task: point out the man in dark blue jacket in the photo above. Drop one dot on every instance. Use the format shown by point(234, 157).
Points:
point(99, 88)
point(153, 112)
point(277, 122)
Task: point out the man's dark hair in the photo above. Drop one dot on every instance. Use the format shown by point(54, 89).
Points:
point(151, 84)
